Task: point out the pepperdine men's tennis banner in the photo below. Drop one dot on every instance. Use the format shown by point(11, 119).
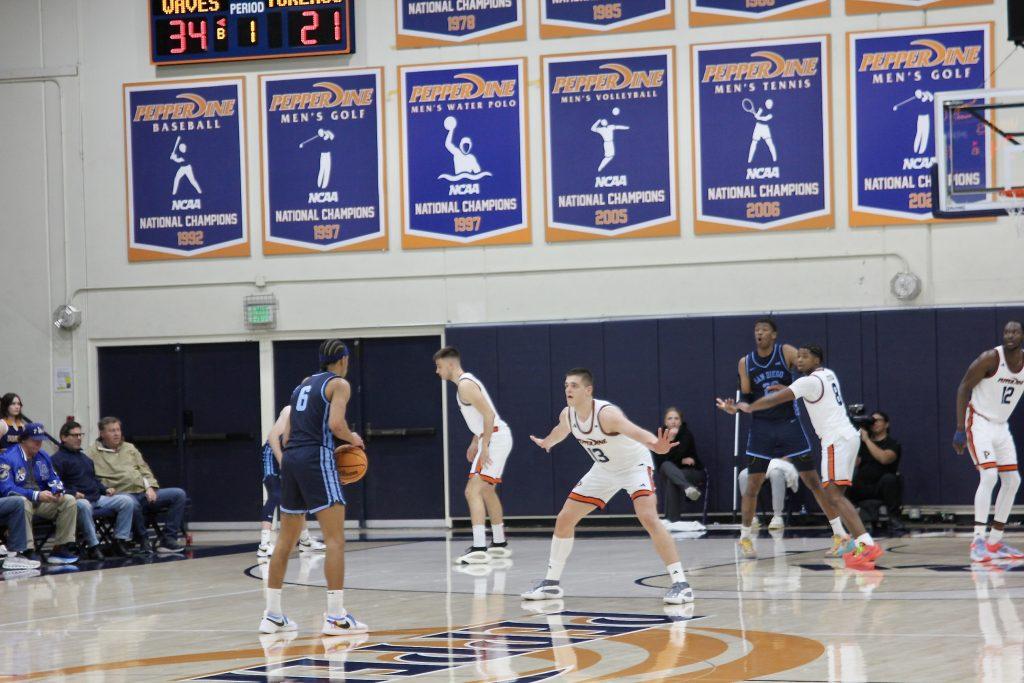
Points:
point(892, 76)
point(711, 12)
point(429, 23)
point(464, 159)
point(610, 144)
point(322, 161)
point(185, 167)
point(762, 134)
point(561, 18)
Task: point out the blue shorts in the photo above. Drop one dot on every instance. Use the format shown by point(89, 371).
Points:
point(309, 481)
point(777, 439)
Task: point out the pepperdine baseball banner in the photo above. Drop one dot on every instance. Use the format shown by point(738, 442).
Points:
point(464, 160)
point(185, 165)
point(610, 144)
point(892, 77)
point(875, 6)
point(561, 18)
point(429, 23)
point(762, 135)
point(711, 12)
point(322, 161)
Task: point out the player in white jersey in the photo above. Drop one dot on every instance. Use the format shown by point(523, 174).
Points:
point(986, 397)
point(487, 453)
point(622, 460)
point(823, 398)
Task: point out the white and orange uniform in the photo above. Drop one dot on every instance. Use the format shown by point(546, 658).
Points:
point(992, 401)
point(839, 440)
point(501, 440)
point(619, 461)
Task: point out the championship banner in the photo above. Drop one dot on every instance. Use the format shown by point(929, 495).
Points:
point(712, 12)
point(892, 76)
point(184, 166)
point(322, 161)
point(559, 18)
point(610, 145)
point(464, 160)
point(762, 136)
point(430, 23)
point(876, 6)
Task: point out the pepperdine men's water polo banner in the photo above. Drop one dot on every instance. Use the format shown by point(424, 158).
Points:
point(711, 12)
point(874, 6)
point(762, 135)
point(892, 76)
point(610, 144)
point(464, 160)
point(185, 166)
point(429, 23)
point(560, 18)
point(322, 161)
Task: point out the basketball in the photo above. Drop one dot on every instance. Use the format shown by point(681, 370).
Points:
point(351, 463)
point(449, 123)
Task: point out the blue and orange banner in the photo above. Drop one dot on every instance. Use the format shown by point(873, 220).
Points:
point(713, 12)
point(464, 154)
point(877, 6)
point(430, 23)
point(316, 128)
point(610, 145)
point(559, 19)
point(185, 168)
point(762, 136)
point(892, 78)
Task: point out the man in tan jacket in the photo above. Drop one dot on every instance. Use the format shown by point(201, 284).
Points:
point(120, 466)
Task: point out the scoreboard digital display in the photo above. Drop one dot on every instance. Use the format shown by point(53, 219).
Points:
point(191, 31)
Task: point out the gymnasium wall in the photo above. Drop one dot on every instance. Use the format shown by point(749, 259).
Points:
point(62, 189)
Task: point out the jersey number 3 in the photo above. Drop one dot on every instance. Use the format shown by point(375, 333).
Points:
point(300, 403)
point(597, 454)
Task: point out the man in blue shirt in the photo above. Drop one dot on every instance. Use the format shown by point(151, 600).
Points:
point(27, 471)
point(78, 473)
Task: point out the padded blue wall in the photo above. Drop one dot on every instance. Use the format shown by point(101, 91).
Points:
point(906, 362)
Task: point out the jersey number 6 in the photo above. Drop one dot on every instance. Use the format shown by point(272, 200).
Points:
point(300, 403)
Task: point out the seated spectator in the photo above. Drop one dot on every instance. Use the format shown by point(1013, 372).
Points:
point(781, 473)
point(78, 473)
point(10, 414)
point(26, 471)
point(877, 474)
point(120, 466)
point(684, 474)
point(12, 516)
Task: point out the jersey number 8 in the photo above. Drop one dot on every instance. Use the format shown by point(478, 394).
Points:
point(300, 403)
point(597, 454)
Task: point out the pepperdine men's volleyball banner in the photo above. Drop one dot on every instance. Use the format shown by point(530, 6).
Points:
point(892, 77)
point(317, 128)
point(875, 6)
point(560, 18)
point(464, 160)
point(610, 144)
point(711, 12)
point(762, 135)
point(429, 23)
point(185, 166)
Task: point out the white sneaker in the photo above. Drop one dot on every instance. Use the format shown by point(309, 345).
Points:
point(14, 561)
point(692, 492)
point(473, 555)
point(277, 623)
point(499, 549)
point(265, 550)
point(343, 626)
point(308, 544)
point(545, 589)
point(755, 523)
point(776, 523)
point(3, 550)
point(679, 593)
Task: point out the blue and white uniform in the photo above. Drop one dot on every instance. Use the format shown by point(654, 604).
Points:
point(309, 477)
point(271, 481)
point(776, 432)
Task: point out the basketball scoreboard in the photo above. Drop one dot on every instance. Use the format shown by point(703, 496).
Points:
point(191, 31)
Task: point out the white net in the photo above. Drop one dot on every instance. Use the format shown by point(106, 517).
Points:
point(1016, 214)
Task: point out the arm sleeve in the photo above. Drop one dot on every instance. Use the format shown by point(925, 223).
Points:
point(809, 388)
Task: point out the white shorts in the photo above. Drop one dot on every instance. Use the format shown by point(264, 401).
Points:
point(498, 451)
point(990, 443)
point(838, 460)
point(599, 484)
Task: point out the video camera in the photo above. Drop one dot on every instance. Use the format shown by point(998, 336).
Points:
point(858, 416)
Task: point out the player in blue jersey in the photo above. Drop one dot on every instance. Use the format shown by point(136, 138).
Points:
point(776, 432)
point(310, 484)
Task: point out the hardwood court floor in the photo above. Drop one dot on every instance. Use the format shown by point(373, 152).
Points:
point(792, 615)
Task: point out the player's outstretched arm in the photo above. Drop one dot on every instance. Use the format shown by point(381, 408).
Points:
point(764, 403)
point(613, 420)
point(557, 434)
point(338, 392)
point(983, 366)
point(280, 432)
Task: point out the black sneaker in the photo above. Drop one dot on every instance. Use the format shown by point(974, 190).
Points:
point(62, 554)
point(121, 548)
point(168, 546)
point(94, 553)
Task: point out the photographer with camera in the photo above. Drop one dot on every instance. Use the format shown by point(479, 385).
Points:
point(877, 474)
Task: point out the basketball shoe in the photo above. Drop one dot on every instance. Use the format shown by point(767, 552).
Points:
point(840, 546)
point(343, 625)
point(1001, 551)
point(679, 593)
point(979, 550)
point(545, 589)
point(747, 549)
point(277, 623)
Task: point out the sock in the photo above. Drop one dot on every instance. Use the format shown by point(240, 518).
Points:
point(264, 536)
point(866, 539)
point(675, 571)
point(336, 603)
point(837, 527)
point(274, 601)
point(560, 549)
point(995, 536)
point(498, 533)
point(744, 532)
point(479, 536)
point(979, 530)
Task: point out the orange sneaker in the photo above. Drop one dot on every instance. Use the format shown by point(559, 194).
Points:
point(858, 559)
point(872, 552)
